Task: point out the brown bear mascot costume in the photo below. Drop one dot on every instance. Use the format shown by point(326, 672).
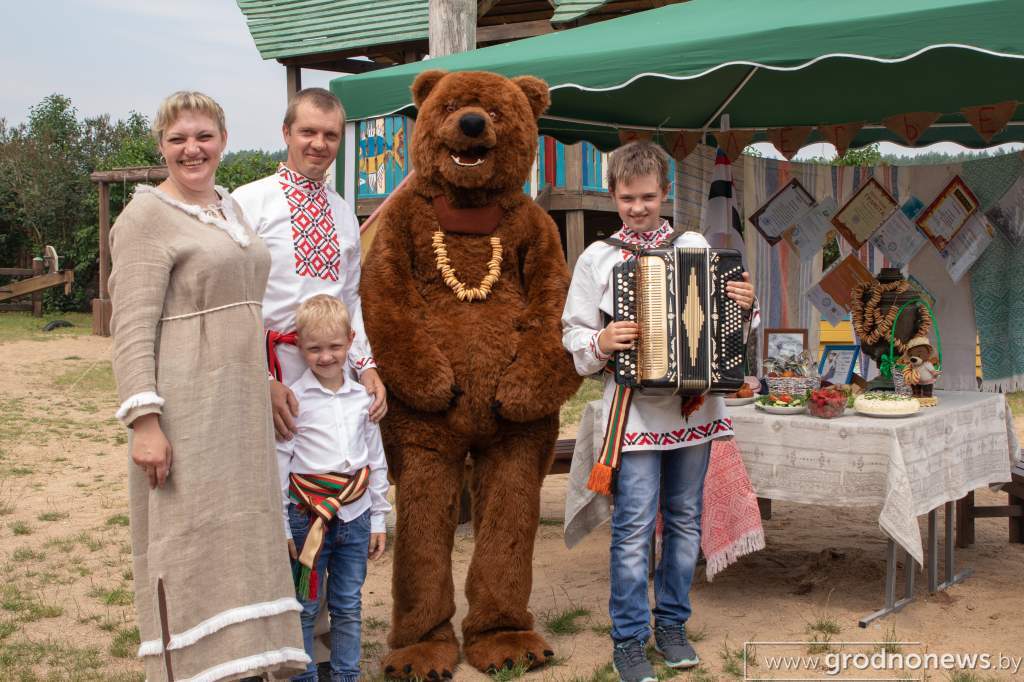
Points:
point(462, 292)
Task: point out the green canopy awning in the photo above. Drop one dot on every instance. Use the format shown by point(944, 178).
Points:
point(767, 64)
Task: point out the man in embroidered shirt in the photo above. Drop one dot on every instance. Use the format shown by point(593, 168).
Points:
point(334, 484)
point(313, 237)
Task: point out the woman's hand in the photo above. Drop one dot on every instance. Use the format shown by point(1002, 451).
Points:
point(741, 292)
point(151, 450)
point(617, 336)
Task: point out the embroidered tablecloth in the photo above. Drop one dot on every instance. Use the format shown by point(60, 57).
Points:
point(906, 466)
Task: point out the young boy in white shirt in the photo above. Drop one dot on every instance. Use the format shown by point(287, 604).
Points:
point(334, 485)
point(665, 441)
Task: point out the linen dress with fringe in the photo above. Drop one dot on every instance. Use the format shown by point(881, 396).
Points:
point(186, 289)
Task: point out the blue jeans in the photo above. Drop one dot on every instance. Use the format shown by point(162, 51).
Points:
point(676, 477)
point(342, 563)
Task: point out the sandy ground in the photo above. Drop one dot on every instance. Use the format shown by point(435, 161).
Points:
point(66, 610)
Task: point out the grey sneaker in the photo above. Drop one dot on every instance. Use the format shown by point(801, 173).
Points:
point(670, 641)
point(631, 662)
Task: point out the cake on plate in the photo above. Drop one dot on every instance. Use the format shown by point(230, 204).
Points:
point(882, 404)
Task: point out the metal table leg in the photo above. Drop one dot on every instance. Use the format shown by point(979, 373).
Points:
point(933, 550)
point(892, 605)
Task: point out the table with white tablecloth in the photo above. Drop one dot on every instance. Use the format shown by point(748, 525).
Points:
point(905, 466)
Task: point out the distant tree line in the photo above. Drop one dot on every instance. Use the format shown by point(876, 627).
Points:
point(46, 196)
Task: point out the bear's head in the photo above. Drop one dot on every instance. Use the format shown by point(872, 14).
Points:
point(476, 130)
point(919, 351)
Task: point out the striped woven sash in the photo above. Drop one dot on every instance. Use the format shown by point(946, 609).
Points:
point(322, 495)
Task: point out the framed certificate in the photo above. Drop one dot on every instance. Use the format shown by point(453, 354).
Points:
point(864, 213)
point(948, 213)
point(782, 211)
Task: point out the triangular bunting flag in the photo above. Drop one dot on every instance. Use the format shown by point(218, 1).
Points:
point(733, 142)
point(680, 144)
point(990, 119)
point(841, 135)
point(790, 139)
point(633, 135)
point(911, 126)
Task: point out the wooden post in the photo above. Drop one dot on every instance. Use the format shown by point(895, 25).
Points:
point(452, 26)
point(294, 79)
point(101, 308)
point(37, 296)
point(574, 236)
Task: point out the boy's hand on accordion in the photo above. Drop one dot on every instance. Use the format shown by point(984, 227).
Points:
point(742, 292)
point(618, 336)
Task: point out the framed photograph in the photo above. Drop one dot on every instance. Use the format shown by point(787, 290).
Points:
point(838, 363)
point(780, 343)
point(869, 208)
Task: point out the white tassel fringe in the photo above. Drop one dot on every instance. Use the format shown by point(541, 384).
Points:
point(749, 543)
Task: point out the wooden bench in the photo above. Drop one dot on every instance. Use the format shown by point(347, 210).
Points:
point(1013, 510)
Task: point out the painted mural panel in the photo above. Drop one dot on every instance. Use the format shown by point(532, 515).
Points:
point(383, 155)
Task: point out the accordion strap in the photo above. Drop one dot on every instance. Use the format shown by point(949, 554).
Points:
point(637, 247)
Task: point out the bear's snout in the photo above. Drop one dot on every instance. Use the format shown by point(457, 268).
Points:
point(472, 125)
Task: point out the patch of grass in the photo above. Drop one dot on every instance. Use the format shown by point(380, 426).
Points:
point(550, 522)
point(125, 643)
point(20, 528)
point(699, 674)
point(565, 623)
point(372, 651)
point(91, 377)
point(604, 630)
point(53, 516)
point(374, 624)
point(89, 541)
point(118, 520)
point(606, 673)
point(507, 674)
point(572, 410)
point(734, 660)
point(26, 554)
point(965, 676)
point(825, 625)
point(20, 471)
point(7, 628)
point(128, 574)
point(697, 634)
point(27, 607)
point(819, 643)
point(21, 326)
point(118, 596)
point(6, 509)
point(890, 642)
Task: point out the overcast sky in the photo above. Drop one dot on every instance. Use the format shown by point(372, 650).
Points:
point(116, 56)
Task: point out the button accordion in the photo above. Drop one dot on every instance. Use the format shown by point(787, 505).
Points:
point(691, 333)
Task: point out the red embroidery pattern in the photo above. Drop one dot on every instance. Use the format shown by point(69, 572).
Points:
point(680, 437)
point(316, 241)
point(646, 239)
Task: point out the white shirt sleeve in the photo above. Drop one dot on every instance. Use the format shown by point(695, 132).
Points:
point(250, 199)
point(378, 490)
point(284, 467)
point(582, 321)
point(360, 357)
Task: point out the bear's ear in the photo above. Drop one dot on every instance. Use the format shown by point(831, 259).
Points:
point(536, 91)
point(424, 83)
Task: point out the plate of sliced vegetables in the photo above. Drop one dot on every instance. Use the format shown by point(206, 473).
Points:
point(782, 403)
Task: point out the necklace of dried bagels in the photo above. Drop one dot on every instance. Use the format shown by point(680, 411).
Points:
point(870, 324)
point(463, 292)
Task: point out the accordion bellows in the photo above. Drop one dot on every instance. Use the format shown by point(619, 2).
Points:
point(691, 333)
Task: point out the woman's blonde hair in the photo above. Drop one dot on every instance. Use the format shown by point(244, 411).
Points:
point(186, 100)
point(322, 313)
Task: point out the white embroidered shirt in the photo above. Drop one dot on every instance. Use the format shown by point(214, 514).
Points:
point(313, 237)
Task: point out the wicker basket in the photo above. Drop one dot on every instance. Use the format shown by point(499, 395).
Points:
point(792, 385)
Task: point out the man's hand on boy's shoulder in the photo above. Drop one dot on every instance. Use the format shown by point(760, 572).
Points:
point(371, 381)
point(378, 542)
point(285, 407)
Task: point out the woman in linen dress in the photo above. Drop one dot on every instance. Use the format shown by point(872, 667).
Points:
point(213, 590)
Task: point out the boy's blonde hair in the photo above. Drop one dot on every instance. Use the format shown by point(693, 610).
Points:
point(186, 100)
point(322, 313)
point(635, 160)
